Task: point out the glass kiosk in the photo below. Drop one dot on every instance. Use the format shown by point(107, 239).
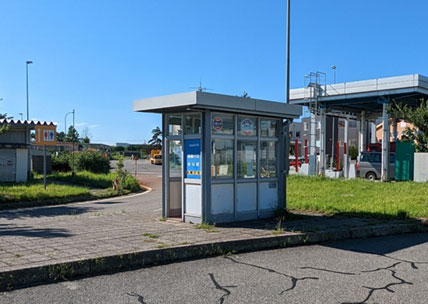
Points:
point(223, 156)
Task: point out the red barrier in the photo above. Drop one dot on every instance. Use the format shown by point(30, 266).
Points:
point(337, 156)
point(306, 151)
point(296, 154)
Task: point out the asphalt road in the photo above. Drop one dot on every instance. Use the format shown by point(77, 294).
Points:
point(390, 269)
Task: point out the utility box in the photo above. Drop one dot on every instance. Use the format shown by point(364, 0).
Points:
point(404, 160)
point(223, 156)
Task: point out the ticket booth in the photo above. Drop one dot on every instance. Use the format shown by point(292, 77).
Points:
point(223, 156)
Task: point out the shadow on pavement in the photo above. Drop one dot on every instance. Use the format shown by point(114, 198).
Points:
point(45, 212)
point(12, 230)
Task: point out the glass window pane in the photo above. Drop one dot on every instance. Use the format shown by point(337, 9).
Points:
point(222, 158)
point(175, 158)
point(192, 124)
point(247, 126)
point(222, 124)
point(269, 127)
point(268, 159)
point(247, 159)
point(174, 124)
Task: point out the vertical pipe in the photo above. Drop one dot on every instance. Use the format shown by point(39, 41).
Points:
point(337, 156)
point(345, 152)
point(287, 84)
point(296, 154)
point(323, 141)
point(28, 103)
point(44, 167)
point(72, 139)
point(385, 144)
point(332, 142)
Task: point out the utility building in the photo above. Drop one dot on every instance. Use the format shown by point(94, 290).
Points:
point(223, 156)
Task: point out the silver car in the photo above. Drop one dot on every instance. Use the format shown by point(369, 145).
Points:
point(370, 165)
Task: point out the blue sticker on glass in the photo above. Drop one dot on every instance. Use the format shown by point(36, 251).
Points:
point(193, 158)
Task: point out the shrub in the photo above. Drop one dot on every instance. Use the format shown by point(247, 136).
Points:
point(353, 152)
point(62, 162)
point(91, 161)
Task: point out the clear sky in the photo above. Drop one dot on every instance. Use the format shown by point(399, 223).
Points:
point(99, 56)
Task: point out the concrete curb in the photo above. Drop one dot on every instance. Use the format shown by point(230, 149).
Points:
point(111, 264)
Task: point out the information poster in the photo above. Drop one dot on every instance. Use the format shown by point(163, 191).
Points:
point(193, 158)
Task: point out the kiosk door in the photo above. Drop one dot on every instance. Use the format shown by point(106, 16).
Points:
point(175, 155)
point(192, 178)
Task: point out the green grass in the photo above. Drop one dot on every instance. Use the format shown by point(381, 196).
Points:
point(62, 188)
point(81, 178)
point(36, 192)
point(357, 197)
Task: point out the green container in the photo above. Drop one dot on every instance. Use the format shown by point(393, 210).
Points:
point(404, 160)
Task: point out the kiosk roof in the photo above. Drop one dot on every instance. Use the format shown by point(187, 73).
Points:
point(197, 100)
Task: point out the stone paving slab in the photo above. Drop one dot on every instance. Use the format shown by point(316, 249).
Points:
point(31, 243)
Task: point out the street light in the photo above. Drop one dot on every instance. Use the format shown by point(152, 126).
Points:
point(22, 115)
point(28, 104)
point(333, 67)
point(72, 135)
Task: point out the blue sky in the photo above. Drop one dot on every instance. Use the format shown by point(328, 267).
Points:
point(99, 56)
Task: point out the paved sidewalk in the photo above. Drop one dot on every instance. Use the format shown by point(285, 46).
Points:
point(34, 239)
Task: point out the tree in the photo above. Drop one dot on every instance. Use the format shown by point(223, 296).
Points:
point(72, 135)
point(156, 141)
point(86, 136)
point(3, 127)
point(418, 116)
point(60, 136)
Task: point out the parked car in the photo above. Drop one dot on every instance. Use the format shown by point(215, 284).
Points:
point(370, 165)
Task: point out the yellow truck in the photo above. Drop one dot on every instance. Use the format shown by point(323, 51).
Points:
point(156, 157)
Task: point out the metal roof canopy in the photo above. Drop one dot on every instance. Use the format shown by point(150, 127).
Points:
point(26, 123)
point(197, 100)
point(367, 95)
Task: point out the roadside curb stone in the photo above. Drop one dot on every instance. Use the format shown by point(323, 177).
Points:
point(115, 263)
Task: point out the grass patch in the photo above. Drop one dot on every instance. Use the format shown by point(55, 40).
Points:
point(207, 227)
point(151, 235)
point(357, 197)
point(62, 187)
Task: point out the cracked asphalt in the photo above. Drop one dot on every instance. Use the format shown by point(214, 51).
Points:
point(391, 269)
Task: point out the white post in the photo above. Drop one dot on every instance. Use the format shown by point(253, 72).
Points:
point(333, 142)
point(345, 155)
point(312, 144)
point(44, 167)
point(363, 132)
point(323, 141)
point(385, 144)
point(373, 133)
point(394, 130)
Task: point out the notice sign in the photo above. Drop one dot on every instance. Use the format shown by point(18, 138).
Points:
point(45, 135)
point(193, 158)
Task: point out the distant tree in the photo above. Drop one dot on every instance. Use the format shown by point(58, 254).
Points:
point(86, 136)
point(418, 116)
point(60, 136)
point(3, 127)
point(156, 140)
point(72, 135)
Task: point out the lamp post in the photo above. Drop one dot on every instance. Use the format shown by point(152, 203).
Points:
point(333, 67)
point(28, 104)
point(72, 136)
point(22, 115)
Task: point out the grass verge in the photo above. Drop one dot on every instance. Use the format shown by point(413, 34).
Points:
point(62, 188)
point(357, 197)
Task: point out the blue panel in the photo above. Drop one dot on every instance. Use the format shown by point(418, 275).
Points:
point(193, 158)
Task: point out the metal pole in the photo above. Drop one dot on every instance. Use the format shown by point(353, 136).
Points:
point(332, 143)
point(287, 85)
point(28, 103)
point(44, 167)
point(72, 139)
point(385, 143)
